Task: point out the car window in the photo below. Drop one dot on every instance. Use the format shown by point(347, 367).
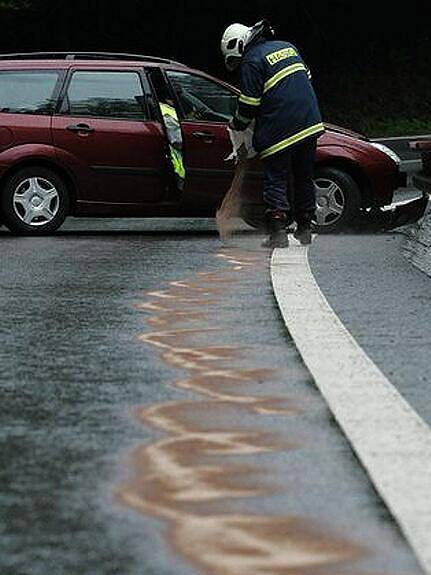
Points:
point(105, 95)
point(202, 99)
point(27, 92)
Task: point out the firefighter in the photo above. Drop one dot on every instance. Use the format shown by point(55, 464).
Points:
point(276, 91)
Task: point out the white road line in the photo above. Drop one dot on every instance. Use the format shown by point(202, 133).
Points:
point(391, 440)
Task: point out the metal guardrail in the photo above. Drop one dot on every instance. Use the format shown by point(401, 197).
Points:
point(401, 145)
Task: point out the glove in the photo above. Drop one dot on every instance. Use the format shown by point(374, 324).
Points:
point(232, 126)
point(241, 139)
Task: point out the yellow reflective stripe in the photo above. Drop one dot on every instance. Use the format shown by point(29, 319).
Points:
point(177, 161)
point(169, 111)
point(283, 74)
point(292, 140)
point(250, 101)
point(309, 74)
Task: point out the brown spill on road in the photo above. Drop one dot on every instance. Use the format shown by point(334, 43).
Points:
point(189, 477)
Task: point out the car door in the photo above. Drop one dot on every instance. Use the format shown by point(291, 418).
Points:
point(104, 130)
point(206, 107)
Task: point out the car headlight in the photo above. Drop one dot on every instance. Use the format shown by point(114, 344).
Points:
point(385, 150)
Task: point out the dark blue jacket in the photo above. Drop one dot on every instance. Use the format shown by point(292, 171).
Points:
point(276, 90)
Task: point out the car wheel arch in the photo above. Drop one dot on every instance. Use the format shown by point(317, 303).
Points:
point(45, 163)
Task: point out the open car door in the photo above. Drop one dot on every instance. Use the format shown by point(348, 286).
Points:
point(206, 107)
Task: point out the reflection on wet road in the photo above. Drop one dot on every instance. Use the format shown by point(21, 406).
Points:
point(189, 477)
point(226, 476)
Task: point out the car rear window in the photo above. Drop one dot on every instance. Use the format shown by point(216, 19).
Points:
point(27, 92)
point(116, 95)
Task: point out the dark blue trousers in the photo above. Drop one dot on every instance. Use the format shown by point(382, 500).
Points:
point(288, 185)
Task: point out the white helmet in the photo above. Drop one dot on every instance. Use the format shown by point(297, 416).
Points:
point(233, 43)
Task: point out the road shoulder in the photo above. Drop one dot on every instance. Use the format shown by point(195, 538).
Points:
point(384, 302)
point(391, 440)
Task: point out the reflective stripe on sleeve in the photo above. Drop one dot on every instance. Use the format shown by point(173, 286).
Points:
point(249, 100)
point(283, 74)
point(311, 131)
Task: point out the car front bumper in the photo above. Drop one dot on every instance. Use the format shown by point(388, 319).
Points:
point(385, 184)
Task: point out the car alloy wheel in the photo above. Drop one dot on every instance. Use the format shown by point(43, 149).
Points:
point(338, 199)
point(330, 200)
point(36, 201)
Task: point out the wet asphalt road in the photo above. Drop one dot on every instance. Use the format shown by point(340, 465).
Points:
point(384, 301)
point(75, 367)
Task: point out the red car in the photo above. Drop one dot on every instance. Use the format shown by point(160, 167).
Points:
point(82, 135)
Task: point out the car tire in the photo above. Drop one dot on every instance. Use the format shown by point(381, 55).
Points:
point(338, 200)
point(34, 201)
point(346, 197)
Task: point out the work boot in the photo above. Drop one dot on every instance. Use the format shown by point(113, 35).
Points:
point(303, 228)
point(278, 237)
point(303, 234)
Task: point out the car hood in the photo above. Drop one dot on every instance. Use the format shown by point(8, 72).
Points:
point(345, 131)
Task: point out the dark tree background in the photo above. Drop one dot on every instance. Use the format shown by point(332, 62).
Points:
point(371, 61)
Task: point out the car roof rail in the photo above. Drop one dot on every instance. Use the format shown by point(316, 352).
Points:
point(85, 56)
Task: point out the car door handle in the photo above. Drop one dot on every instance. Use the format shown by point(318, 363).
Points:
point(207, 137)
point(83, 128)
